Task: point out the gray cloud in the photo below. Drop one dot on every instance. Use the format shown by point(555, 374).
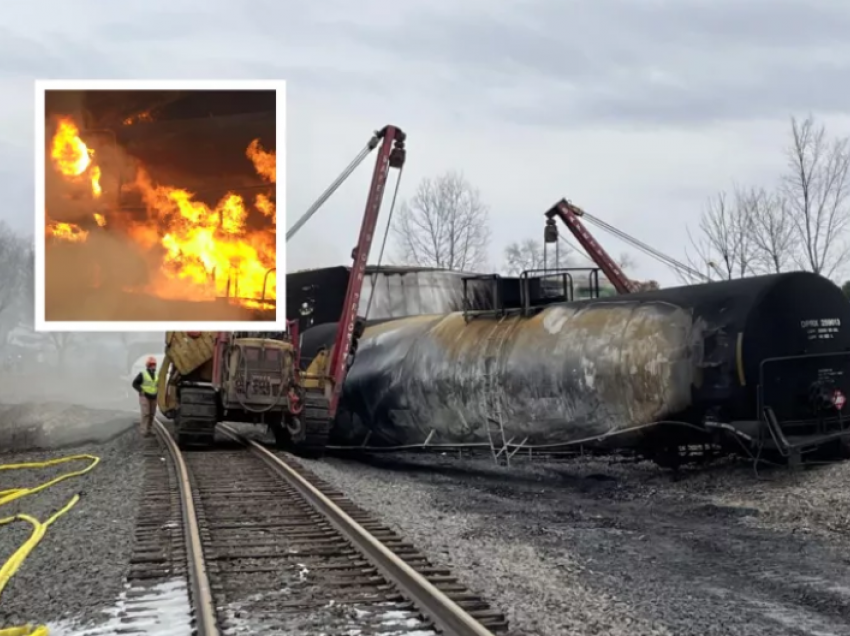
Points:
point(458, 71)
point(773, 96)
point(52, 56)
point(22, 56)
point(619, 60)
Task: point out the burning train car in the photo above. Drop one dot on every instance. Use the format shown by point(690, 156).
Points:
point(160, 205)
point(755, 365)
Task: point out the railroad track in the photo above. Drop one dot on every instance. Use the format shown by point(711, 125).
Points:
point(238, 540)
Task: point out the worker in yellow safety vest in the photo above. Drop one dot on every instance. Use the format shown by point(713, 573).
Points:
point(145, 385)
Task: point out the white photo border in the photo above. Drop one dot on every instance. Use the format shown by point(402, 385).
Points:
point(41, 87)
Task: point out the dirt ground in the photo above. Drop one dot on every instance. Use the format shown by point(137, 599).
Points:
point(591, 547)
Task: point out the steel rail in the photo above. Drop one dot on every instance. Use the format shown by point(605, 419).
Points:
point(202, 600)
point(447, 615)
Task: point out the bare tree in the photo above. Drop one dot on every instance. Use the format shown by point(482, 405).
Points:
point(444, 225)
point(772, 231)
point(63, 341)
point(725, 246)
point(17, 282)
point(521, 256)
point(528, 255)
point(626, 261)
point(816, 190)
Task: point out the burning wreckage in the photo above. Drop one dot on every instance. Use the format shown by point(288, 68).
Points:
point(545, 361)
point(160, 205)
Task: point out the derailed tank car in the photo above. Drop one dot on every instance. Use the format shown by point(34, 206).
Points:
point(756, 364)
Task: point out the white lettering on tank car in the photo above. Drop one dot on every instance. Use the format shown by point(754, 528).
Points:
point(821, 329)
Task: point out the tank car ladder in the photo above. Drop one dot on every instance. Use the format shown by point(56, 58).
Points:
point(494, 421)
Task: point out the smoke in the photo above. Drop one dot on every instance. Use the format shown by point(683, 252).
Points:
point(111, 229)
point(119, 267)
point(50, 406)
point(65, 389)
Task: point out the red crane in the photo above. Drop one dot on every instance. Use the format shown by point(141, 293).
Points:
point(569, 214)
point(392, 154)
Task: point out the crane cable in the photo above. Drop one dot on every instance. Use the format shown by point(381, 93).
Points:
point(333, 187)
point(13, 564)
point(383, 242)
point(581, 252)
point(646, 249)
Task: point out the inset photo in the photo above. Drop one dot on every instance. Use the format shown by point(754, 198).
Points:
point(157, 205)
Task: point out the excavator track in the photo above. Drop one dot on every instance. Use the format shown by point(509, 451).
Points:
point(197, 417)
point(317, 424)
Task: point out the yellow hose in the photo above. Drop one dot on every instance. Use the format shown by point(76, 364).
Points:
point(39, 529)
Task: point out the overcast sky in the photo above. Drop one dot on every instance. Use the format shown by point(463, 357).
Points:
point(636, 110)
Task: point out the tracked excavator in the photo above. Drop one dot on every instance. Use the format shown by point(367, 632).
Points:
point(254, 377)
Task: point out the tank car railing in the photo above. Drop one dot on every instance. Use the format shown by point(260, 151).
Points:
point(528, 302)
point(562, 275)
point(498, 308)
point(567, 283)
point(796, 423)
point(594, 290)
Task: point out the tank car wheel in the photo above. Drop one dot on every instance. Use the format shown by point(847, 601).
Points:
point(667, 457)
point(841, 449)
point(836, 450)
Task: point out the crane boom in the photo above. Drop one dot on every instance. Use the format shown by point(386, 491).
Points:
point(391, 154)
point(569, 215)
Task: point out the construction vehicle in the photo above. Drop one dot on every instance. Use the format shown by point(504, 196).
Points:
point(571, 215)
point(211, 377)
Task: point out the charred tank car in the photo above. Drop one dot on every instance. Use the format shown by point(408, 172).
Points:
point(758, 365)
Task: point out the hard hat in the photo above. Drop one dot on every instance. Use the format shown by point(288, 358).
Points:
point(150, 362)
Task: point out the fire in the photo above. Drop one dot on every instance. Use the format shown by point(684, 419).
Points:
point(265, 163)
point(211, 247)
point(197, 251)
point(67, 232)
point(96, 190)
point(70, 153)
point(137, 118)
point(265, 205)
point(72, 157)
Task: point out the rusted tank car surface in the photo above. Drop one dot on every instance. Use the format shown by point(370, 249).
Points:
point(570, 372)
point(592, 368)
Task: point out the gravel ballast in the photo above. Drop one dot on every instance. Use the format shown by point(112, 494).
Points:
point(589, 547)
point(77, 569)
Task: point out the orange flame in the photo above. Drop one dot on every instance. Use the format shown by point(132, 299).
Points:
point(70, 154)
point(211, 247)
point(67, 232)
point(96, 190)
point(265, 163)
point(265, 205)
point(72, 157)
point(203, 251)
point(138, 117)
